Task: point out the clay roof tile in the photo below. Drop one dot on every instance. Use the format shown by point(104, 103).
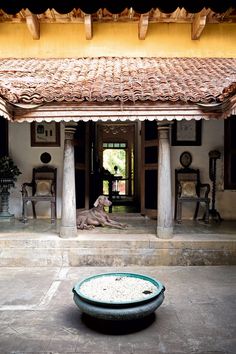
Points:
point(113, 78)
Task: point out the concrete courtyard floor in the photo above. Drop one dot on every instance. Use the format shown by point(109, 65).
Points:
point(38, 315)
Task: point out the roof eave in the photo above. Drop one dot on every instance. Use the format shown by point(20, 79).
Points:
point(96, 111)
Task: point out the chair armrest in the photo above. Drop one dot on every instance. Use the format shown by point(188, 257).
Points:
point(179, 189)
point(53, 191)
point(24, 189)
point(207, 186)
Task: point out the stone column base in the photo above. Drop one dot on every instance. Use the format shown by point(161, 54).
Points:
point(68, 231)
point(164, 232)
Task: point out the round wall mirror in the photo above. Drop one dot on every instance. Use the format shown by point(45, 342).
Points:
point(45, 157)
point(185, 159)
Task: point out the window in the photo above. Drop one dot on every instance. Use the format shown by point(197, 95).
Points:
point(115, 145)
point(230, 153)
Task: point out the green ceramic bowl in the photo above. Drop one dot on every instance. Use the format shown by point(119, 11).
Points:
point(119, 310)
point(159, 288)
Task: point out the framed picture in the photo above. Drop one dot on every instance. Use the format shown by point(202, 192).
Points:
point(45, 134)
point(187, 133)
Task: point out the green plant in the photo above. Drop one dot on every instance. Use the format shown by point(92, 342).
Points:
point(8, 169)
point(115, 158)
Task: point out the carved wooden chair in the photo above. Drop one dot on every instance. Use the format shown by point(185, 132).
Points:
point(43, 188)
point(188, 188)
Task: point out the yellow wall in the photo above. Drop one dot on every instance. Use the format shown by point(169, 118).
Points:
point(117, 39)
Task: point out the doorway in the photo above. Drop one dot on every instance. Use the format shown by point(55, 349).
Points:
point(124, 153)
point(116, 154)
point(115, 160)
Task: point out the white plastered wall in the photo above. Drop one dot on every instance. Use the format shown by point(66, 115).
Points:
point(27, 157)
point(212, 139)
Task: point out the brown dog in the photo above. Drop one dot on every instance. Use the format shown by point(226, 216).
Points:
point(97, 216)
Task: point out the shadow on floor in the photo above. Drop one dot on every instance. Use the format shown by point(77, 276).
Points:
point(199, 227)
point(118, 327)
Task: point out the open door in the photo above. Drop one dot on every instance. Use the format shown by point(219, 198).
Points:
point(116, 149)
point(149, 168)
point(81, 145)
point(3, 137)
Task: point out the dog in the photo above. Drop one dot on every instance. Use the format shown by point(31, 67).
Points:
point(97, 216)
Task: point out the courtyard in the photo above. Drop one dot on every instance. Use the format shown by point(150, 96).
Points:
point(138, 102)
point(38, 315)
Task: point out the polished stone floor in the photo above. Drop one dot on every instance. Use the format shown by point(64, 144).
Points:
point(136, 224)
point(38, 315)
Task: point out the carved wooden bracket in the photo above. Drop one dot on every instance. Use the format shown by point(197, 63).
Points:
point(198, 24)
point(88, 25)
point(33, 25)
point(143, 26)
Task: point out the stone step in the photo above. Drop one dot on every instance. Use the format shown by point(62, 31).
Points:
point(96, 249)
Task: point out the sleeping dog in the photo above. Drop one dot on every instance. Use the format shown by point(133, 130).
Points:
point(88, 219)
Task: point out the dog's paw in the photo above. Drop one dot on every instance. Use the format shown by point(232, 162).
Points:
point(90, 227)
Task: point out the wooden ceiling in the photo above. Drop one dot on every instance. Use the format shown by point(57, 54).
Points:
point(198, 20)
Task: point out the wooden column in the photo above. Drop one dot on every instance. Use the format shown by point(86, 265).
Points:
point(164, 201)
point(68, 219)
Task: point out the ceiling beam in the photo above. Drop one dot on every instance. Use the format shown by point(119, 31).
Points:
point(198, 25)
point(33, 25)
point(143, 26)
point(88, 25)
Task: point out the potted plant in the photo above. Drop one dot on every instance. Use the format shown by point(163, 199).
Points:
point(8, 176)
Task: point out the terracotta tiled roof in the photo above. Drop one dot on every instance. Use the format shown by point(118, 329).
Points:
point(102, 79)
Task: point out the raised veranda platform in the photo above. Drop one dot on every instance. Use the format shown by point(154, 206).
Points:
point(194, 243)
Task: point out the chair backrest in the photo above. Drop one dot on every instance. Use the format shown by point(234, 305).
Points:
point(185, 175)
point(48, 173)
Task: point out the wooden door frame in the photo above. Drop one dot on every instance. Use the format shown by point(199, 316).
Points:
point(229, 152)
point(146, 167)
point(4, 146)
point(85, 166)
point(116, 138)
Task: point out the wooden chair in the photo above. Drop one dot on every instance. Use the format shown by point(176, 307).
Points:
point(43, 188)
point(188, 188)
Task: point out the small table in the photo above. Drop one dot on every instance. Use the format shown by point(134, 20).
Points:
point(111, 179)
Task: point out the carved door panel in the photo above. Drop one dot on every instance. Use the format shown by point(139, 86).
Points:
point(230, 153)
point(149, 168)
point(3, 137)
point(81, 145)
